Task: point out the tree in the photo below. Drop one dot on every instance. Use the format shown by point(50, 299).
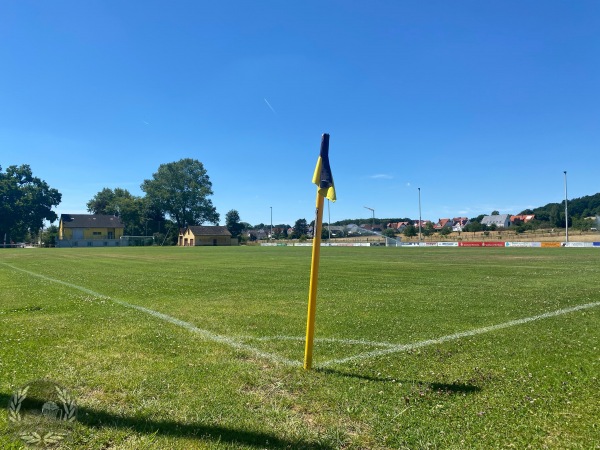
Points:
point(445, 231)
point(284, 232)
point(429, 229)
point(49, 236)
point(389, 232)
point(300, 229)
point(104, 202)
point(233, 224)
point(495, 213)
point(180, 190)
point(133, 211)
point(473, 227)
point(410, 230)
point(25, 202)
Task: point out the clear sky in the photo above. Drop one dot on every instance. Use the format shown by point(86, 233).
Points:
point(481, 104)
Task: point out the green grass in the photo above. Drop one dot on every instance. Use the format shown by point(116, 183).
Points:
point(142, 382)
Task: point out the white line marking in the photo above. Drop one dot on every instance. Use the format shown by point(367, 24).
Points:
point(334, 340)
point(391, 348)
point(188, 326)
point(452, 337)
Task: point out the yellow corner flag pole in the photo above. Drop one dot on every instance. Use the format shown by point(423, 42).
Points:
point(312, 292)
point(325, 188)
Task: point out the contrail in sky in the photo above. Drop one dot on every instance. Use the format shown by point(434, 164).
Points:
point(269, 105)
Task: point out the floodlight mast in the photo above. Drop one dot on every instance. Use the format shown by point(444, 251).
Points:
point(373, 222)
point(566, 212)
point(419, 214)
point(271, 234)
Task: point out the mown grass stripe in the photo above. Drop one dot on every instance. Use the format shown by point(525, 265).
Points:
point(389, 348)
point(173, 320)
point(455, 336)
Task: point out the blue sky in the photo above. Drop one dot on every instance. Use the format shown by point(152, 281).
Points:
point(481, 104)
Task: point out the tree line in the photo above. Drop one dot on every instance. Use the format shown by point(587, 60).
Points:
point(178, 195)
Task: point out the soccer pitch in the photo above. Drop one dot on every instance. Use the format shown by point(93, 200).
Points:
point(202, 347)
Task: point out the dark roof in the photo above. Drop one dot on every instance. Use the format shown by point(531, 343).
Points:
point(209, 231)
point(90, 221)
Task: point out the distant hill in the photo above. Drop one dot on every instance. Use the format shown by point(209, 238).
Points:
point(578, 209)
point(550, 215)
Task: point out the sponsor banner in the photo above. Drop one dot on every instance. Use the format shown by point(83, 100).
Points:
point(579, 244)
point(429, 244)
point(493, 244)
point(409, 244)
point(596, 244)
point(447, 244)
point(550, 244)
point(470, 244)
point(523, 244)
point(343, 244)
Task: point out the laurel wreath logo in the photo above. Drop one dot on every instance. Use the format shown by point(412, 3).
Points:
point(14, 406)
point(50, 438)
point(69, 409)
point(68, 404)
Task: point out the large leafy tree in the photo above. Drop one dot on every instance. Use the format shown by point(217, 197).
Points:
point(233, 224)
point(300, 229)
point(180, 190)
point(25, 202)
point(135, 212)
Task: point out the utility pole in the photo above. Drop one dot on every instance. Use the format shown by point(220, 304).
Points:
point(373, 221)
point(271, 234)
point(566, 212)
point(419, 214)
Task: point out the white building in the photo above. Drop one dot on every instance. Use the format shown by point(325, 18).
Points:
point(500, 220)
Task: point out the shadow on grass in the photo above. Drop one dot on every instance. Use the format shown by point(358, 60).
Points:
point(94, 418)
point(454, 388)
point(448, 388)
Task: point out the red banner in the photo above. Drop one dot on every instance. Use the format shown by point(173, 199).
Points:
point(494, 244)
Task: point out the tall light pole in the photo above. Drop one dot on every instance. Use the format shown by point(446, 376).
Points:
point(271, 235)
point(566, 212)
point(419, 214)
point(373, 222)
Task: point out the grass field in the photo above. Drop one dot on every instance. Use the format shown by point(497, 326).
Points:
point(179, 348)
